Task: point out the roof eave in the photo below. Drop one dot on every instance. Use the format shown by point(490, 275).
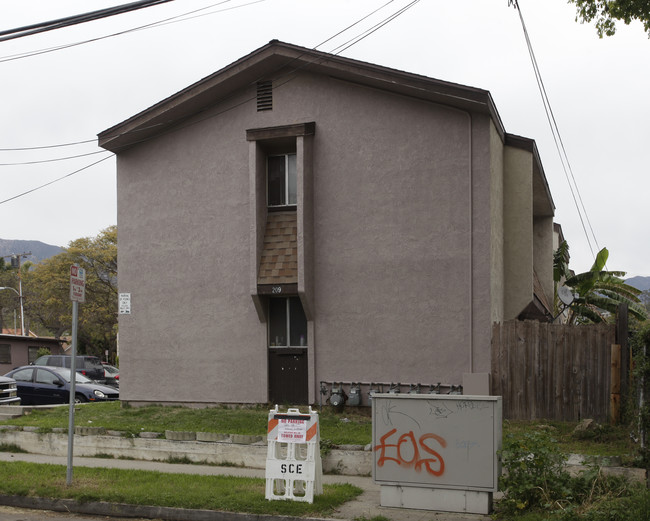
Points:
point(274, 58)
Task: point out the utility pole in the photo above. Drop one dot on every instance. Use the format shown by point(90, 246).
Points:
point(15, 263)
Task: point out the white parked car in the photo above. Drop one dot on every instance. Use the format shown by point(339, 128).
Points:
point(8, 391)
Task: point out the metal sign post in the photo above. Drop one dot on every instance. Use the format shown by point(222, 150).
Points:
point(77, 294)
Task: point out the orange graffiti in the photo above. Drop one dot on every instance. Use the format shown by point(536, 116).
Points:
point(434, 465)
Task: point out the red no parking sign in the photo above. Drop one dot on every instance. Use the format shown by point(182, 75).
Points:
point(77, 284)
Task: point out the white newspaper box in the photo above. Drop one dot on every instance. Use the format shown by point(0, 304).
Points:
point(294, 470)
point(436, 452)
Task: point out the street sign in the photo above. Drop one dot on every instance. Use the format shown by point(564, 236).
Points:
point(77, 284)
point(125, 303)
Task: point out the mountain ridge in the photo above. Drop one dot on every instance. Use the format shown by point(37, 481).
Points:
point(39, 250)
point(642, 283)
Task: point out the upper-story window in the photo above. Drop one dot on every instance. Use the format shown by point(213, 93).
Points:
point(281, 180)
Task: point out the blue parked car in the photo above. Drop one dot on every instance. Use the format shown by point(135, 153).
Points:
point(40, 385)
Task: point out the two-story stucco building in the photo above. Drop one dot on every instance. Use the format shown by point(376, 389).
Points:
point(299, 217)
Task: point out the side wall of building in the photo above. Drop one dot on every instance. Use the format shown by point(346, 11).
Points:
point(23, 350)
point(401, 230)
point(518, 227)
point(543, 254)
point(496, 220)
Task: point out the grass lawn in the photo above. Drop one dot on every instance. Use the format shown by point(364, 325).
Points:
point(137, 487)
point(352, 426)
point(227, 493)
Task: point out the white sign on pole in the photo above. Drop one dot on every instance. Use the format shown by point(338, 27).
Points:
point(125, 303)
point(77, 284)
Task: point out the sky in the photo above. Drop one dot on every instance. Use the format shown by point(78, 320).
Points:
point(597, 90)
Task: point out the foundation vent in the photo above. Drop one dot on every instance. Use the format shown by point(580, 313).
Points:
point(264, 95)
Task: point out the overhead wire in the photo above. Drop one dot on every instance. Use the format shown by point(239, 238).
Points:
point(292, 72)
point(287, 77)
point(43, 147)
point(557, 138)
point(185, 17)
point(56, 180)
point(353, 24)
point(52, 160)
point(160, 23)
point(376, 27)
point(29, 30)
point(174, 19)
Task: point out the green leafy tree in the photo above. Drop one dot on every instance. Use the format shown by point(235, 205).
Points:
point(600, 292)
point(10, 300)
point(7, 297)
point(561, 272)
point(606, 13)
point(48, 292)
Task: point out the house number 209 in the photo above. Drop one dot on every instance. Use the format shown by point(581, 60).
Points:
point(276, 289)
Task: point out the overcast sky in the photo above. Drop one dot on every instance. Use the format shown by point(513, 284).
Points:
point(598, 90)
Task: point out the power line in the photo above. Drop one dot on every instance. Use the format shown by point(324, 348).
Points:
point(376, 27)
point(160, 23)
point(557, 138)
point(355, 23)
point(186, 16)
point(289, 74)
point(29, 30)
point(56, 180)
point(21, 149)
point(36, 162)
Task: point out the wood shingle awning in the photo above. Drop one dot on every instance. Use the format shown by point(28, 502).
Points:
point(279, 261)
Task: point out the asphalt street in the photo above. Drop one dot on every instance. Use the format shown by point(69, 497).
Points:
point(29, 514)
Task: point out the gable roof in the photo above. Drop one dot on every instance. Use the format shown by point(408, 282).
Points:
point(285, 59)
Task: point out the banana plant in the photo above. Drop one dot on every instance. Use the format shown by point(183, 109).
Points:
point(600, 292)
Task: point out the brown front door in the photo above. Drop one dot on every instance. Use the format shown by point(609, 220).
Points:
point(288, 376)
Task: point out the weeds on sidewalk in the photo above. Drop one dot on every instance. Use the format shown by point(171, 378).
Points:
point(537, 486)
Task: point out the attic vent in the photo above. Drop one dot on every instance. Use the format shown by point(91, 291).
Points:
point(264, 95)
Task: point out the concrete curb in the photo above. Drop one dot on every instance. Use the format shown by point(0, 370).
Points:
point(141, 511)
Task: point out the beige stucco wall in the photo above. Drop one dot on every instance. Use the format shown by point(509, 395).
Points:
point(496, 221)
point(401, 228)
point(543, 254)
point(518, 226)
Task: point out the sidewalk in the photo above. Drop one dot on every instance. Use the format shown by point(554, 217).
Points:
point(365, 506)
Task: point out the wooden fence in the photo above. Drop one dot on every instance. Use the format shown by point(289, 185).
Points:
point(555, 372)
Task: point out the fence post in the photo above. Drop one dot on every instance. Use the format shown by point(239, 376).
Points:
point(622, 319)
point(615, 385)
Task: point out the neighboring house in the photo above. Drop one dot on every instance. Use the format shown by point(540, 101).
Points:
point(298, 217)
point(17, 350)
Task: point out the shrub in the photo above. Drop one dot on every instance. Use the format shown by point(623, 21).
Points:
point(534, 475)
